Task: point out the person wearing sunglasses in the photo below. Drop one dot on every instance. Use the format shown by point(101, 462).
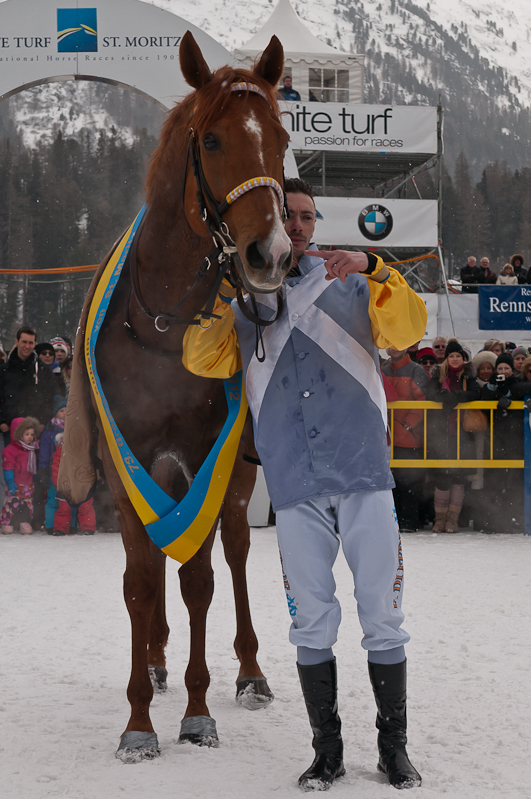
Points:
point(439, 347)
point(426, 358)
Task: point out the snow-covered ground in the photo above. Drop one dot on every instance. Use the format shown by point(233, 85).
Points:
point(65, 654)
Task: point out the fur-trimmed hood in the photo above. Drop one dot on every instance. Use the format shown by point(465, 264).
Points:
point(21, 424)
point(514, 257)
point(469, 371)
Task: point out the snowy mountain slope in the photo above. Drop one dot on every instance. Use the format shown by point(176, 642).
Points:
point(470, 53)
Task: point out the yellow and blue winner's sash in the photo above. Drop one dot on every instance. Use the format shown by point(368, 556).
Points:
point(178, 528)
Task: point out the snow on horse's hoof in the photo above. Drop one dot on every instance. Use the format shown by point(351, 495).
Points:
point(137, 746)
point(199, 730)
point(253, 693)
point(158, 676)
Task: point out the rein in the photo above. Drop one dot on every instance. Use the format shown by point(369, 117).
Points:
point(223, 253)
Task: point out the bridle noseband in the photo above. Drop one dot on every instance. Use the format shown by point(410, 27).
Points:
point(211, 212)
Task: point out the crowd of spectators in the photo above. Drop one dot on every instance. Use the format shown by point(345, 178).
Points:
point(34, 386)
point(511, 274)
point(446, 372)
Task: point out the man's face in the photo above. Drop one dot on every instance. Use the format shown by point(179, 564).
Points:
point(471, 261)
point(287, 83)
point(301, 222)
point(395, 355)
point(25, 346)
point(484, 263)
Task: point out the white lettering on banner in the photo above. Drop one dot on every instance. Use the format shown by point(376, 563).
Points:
point(510, 307)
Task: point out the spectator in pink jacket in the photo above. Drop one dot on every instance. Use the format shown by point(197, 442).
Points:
point(19, 462)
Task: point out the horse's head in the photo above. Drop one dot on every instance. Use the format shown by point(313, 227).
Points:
point(236, 135)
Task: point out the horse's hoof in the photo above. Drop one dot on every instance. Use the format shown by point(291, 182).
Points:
point(158, 676)
point(253, 693)
point(137, 746)
point(199, 730)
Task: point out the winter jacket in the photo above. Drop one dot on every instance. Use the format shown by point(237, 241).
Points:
point(442, 425)
point(289, 95)
point(15, 458)
point(469, 279)
point(507, 280)
point(317, 400)
point(508, 425)
point(411, 383)
point(48, 445)
point(55, 462)
point(520, 271)
point(27, 388)
point(486, 276)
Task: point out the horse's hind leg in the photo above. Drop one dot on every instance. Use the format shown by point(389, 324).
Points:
point(197, 588)
point(252, 690)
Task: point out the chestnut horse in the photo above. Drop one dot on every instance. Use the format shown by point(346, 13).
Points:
point(170, 418)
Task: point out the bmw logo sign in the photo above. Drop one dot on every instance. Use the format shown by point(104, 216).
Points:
point(375, 222)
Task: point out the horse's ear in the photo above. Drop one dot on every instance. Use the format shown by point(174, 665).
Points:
point(271, 62)
point(193, 65)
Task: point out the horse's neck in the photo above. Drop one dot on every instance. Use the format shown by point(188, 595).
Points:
point(168, 258)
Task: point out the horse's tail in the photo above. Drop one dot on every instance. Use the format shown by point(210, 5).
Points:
point(78, 467)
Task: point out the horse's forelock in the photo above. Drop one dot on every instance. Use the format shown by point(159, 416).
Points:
point(211, 99)
point(199, 110)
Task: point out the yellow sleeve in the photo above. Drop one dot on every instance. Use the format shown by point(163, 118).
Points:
point(213, 352)
point(398, 315)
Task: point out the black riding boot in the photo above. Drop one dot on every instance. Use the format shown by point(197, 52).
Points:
point(389, 686)
point(319, 687)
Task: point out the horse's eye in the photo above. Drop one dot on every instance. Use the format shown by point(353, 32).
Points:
point(210, 142)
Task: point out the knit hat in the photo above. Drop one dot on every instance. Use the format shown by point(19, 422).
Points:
point(520, 351)
point(505, 357)
point(58, 405)
point(424, 353)
point(59, 346)
point(455, 346)
point(44, 347)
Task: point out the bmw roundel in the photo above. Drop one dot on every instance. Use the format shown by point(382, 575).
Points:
point(375, 222)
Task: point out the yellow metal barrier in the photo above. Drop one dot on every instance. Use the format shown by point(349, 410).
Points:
point(456, 463)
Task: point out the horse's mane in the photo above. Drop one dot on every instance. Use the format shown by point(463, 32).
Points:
point(199, 109)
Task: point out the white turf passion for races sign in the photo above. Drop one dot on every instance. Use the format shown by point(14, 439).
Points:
point(361, 128)
point(128, 42)
point(369, 222)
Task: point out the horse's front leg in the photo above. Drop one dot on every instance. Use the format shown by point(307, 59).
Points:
point(158, 638)
point(252, 690)
point(197, 588)
point(143, 581)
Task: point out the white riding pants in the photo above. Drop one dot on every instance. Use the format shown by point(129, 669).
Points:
point(309, 534)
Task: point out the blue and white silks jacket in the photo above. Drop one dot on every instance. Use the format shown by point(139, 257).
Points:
point(317, 401)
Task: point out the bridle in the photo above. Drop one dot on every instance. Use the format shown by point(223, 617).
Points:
point(211, 212)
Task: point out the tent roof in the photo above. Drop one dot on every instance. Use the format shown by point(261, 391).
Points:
point(292, 32)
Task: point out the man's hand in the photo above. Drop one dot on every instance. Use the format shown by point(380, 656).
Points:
point(340, 263)
point(4, 428)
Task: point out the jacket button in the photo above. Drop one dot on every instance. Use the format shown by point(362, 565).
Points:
point(312, 433)
point(302, 356)
point(305, 393)
point(294, 316)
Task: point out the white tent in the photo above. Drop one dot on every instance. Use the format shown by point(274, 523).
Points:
point(308, 59)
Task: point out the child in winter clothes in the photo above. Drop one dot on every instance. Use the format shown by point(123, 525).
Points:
point(63, 514)
point(19, 461)
point(46, 453)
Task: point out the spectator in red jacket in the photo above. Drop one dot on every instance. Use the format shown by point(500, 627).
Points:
point(410, 382)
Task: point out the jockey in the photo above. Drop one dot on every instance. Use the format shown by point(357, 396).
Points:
point(320, 420)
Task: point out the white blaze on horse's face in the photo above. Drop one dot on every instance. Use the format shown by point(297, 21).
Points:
point(263, 244)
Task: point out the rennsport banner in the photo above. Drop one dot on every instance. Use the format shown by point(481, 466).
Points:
point(361, 128)
point(504, 307)
point(366, 222)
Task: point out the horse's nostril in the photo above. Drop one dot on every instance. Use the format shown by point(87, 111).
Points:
point(255, 258)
